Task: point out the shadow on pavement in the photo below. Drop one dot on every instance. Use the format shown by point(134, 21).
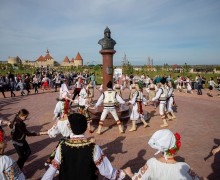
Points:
point(215, 175)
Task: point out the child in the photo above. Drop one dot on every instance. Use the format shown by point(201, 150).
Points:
point(21, 86)
point(19, 133)
point(8, 167)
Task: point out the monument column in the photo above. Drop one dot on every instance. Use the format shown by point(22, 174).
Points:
point(107, 61)
point(107, 52)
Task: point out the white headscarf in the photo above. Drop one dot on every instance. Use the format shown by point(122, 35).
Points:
point(162, 140)
point(64, 91)
point(83, 93)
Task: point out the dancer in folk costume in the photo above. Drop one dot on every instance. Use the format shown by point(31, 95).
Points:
point(45, 84)
point(122, 79)
point(188, 85)
point(151, 90)
point(132, 90)
point(137, 110)
point(126, 84)
point(109, 99)
point(61, 126)
point(63, 96)
point(77, 87)
point(64, 91)
point(83, 107)
point(179, 83)
point(170, 101)
point(8, 167)
point(161, 95)
point(90, 92)
point(164, 167)
point(212, 85)
point(117, 87)
point(79, 158)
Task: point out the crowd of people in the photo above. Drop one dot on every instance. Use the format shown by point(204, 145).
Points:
point(81, 156)
point(44, 80)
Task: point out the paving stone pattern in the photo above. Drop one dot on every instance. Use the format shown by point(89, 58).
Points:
point(197, 122)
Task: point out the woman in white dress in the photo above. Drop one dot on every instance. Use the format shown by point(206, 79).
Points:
point(137, 110)
point(61, 126)
point(164, 167)
point(8, 167)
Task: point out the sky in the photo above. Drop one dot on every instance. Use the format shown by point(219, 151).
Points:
point(167, 31)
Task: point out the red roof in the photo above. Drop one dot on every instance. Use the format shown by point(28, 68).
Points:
point(72, 60)
point(41, 58)
point(48, 56)
point(66, 59)
point(78, 57)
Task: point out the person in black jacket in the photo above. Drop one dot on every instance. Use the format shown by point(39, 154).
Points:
point(19, 133)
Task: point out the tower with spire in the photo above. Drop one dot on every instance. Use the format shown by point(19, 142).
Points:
point(46, 60)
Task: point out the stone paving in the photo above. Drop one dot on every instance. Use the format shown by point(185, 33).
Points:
point(197, 122)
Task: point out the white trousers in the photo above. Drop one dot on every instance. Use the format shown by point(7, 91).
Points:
point(109, 110)
point(170, 104)
point(162, 108)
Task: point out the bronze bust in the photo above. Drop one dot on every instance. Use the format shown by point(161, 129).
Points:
point(107, 42)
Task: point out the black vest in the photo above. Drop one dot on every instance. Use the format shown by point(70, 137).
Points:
point(77, 160)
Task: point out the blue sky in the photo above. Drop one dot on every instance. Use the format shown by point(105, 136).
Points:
point(169, 31)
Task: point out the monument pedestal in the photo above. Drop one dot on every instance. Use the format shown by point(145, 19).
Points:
point(107, 60)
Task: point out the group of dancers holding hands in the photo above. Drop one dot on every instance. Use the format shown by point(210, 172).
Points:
point(72, 129)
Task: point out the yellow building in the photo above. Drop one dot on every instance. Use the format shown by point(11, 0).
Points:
point(14, 60)
point(78, 61)
point(45, 61)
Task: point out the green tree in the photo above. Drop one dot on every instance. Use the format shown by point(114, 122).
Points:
point(127, 68)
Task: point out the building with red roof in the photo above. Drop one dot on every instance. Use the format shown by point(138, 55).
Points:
point(45, 61)
point(78, 61)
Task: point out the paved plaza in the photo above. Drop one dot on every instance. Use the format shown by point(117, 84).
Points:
point(197, 122)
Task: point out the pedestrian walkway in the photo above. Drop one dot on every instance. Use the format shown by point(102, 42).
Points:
point(197, 122)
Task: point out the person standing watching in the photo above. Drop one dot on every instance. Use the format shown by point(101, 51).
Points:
point(199, 87)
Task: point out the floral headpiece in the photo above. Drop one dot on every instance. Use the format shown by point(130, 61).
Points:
point(177, 146)
point(65, 107)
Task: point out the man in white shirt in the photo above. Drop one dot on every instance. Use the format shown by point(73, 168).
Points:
point(109, 99)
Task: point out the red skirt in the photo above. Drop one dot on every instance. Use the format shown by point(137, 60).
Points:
point(45, 84)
